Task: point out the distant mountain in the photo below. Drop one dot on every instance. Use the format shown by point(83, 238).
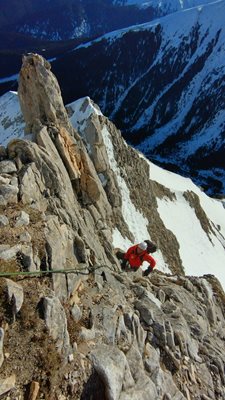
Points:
point(52, 28)
point(166, 6)
point(162, 83)
point(68, 19)
point(47, 27)
point(14, 45)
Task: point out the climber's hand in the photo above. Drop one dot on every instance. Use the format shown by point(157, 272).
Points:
point(147, 271)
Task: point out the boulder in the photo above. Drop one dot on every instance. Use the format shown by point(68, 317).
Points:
point(23, 219)
point(7, 384)
point(25, 237)
point(87, 334)
point(145, 312)
point(27, 258)
point(4, 180)
point(3, 220)
point(152, 360)
point(8, 194)
point(7, 252)
point(109, 362)
point(7, 167)
point(32, 188)
point(15, 291)
point(143, 389)
point(109, 323)
point(76, 313)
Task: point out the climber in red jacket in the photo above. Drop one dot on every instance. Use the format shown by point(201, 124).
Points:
point(136, 255)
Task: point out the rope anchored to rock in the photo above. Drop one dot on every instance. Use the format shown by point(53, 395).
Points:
point(83, 270)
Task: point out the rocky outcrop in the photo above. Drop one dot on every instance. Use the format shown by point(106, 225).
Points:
point(55, 319)
point(62, 178)
point(78, 185)
point(15, 294)
point(6, 385)
point(137, 337)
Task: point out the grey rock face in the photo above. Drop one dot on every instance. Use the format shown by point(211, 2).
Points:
point(7, 384)
point(152, 360)
point(23, 219)
point(57, 173)
point(145, 311)
point(27, 258)
point(87, 334)
point(60, 247)
point(76, 313)
point(3, 220)
point(25, 237)
point(32, 188)
point(15, 293)
point(7, 167)
point(8, 194)
point(44, 104)
point(4, 180)
point(56, 322)
point(110, 364)
point(1, 346)
point(7, 252)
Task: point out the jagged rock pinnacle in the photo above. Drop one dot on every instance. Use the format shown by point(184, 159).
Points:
point(40, 96)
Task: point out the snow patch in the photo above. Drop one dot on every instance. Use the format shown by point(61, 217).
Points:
point(82, 109)
point(199, 255)
point(11, 120)
point(134, 219)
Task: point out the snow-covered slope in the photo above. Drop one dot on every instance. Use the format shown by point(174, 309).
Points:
point(201, 253)
point(162, 83)
point(196, 220)
point(11, 119)
point(167, 6)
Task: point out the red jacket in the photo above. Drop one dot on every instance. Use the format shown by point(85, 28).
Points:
point(136, 260)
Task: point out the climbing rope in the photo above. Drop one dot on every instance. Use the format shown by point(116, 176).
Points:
point(81, 271)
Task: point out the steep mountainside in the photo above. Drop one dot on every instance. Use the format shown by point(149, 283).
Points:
point(73, 325)
point(48, 27)
point(166, 6)
point(150, 200)
point(13, 45)
point(66, 19)
point(163, 85)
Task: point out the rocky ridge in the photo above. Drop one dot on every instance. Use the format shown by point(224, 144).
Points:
point(94, 332)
